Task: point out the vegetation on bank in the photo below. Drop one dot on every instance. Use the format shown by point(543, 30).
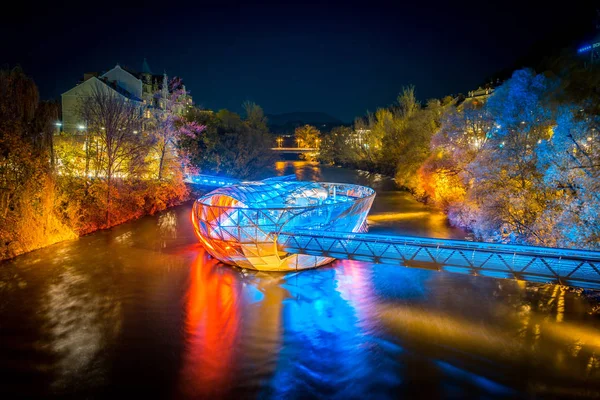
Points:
point(227, 144)
point(521, 166)
point(121, 165)
point(54, 188)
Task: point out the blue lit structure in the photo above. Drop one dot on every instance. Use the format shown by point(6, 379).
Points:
point(219, 181)
point(592, 51)
point(531, 263)
point(280, 224)
point(209, 180)
point(239, 223)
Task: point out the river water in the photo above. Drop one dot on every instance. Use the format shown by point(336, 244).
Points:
point(142, 310)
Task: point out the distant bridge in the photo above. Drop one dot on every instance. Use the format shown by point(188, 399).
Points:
point(295, 149)
point(579, 268)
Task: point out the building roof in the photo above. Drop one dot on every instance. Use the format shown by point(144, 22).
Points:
point(146, 67)
point(114, 87)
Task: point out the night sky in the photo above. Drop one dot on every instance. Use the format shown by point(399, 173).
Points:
point(341, 59)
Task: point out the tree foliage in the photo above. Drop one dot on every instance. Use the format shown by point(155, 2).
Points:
point(307, 136)
point(521, 168)
point(223, 143)
point(55, 187)
point(27, 185)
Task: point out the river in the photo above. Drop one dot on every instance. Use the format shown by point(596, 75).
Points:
point(140, 309)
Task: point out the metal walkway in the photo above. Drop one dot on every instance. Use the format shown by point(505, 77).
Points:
point(537, 264)
point(219, 181)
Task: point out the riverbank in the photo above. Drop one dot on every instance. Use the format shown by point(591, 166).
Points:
point(145, 298)
point(68, 208)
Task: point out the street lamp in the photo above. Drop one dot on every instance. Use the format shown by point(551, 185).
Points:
point(279, 141)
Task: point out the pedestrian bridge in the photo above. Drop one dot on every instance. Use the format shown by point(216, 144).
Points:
point(536, 264)
point(295, 149)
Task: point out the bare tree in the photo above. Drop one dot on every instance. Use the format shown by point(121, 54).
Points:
point(115, 124)
point(166, 122)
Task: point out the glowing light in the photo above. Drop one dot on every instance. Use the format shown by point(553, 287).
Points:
point(211, 328)
point(239, 224)
point(398, 216)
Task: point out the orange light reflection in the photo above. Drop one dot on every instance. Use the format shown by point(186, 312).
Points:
point(211, 328)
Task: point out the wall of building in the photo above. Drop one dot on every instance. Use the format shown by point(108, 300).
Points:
point(72, 99)
point(125, 80)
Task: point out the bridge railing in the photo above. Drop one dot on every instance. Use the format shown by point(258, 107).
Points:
point(579, 268)
point(296, 149)
point(218, 181)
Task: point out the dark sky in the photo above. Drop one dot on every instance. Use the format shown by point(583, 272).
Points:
point(342, 59)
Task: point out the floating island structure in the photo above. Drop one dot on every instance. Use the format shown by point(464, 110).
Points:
point(239, 224)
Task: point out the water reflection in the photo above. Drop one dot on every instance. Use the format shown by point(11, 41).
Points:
point(141, 307)
point(304, 170)
point(232, 320)
point(167, 223)
point(329, 347)
point(211, 325)
point(82, 318)
point(482, 339)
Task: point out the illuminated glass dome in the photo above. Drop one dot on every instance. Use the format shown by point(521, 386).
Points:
point(239, 224)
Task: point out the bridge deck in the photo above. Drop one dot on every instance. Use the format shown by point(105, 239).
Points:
point(295, 149)
point(538, 264)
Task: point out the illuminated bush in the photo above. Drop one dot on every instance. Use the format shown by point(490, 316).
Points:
point(240, 224)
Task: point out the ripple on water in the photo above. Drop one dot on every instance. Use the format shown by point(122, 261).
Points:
point(142, 308)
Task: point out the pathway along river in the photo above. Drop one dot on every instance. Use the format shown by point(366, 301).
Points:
point(141, 309)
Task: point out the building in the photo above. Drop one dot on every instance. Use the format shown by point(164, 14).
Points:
point(143, 88)
point(591, 52)
point(480, 92)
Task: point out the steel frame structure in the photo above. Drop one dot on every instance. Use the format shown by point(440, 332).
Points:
point(238, 224)
point(280, 224)
point(538, 264)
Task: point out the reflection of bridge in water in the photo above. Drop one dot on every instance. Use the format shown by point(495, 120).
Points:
point(571, 267)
